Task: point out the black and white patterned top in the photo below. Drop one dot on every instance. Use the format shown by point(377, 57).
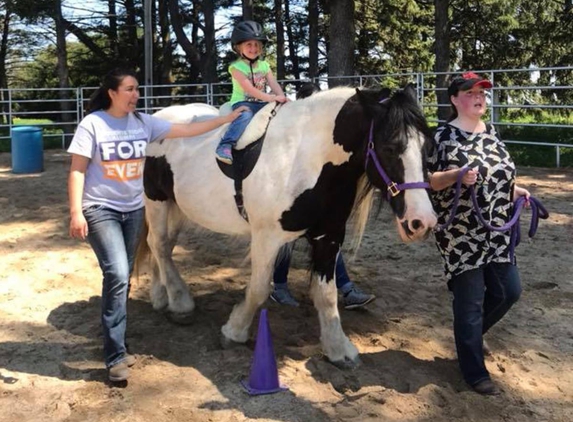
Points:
point(466, 244)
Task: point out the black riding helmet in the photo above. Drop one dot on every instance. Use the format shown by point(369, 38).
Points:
point(247, 30)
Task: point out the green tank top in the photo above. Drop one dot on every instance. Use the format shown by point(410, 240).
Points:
point(258, 78)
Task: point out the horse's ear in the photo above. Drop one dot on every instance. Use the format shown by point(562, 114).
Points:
point(410, 90)
point(384, 94)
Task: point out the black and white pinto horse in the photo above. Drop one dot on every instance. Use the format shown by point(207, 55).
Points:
point(314, 170)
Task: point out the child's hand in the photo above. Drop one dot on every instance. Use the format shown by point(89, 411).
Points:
point(236, 113)
point(280, 99)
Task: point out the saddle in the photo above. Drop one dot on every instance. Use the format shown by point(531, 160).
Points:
point(247, 150)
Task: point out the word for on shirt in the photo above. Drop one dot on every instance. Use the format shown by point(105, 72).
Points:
point(123, 160)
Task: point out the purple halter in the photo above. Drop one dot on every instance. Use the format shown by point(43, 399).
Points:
point(393, 187)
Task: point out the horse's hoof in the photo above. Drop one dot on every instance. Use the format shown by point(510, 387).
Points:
point(227, 343)
point(347, 364)
point(180, 318)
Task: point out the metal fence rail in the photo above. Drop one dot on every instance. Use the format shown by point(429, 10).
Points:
point(541, 93)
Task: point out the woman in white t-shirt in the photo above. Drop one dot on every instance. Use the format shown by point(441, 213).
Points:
point(105, 189)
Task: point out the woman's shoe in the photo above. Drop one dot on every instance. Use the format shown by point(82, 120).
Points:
point(130, 359)
point(119, 372)
point(486, 388)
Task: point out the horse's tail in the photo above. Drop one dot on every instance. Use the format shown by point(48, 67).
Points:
point(143, 252)
point(361, 211)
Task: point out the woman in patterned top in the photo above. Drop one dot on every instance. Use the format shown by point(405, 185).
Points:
point(481, 275)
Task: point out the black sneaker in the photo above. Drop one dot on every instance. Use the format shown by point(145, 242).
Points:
point(282, 296)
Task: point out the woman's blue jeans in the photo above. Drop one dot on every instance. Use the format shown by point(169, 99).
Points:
point(481, 298)
point(238, 126)
point(114, 236)
point(282, 265)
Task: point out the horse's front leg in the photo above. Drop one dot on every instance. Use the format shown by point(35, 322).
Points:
point(335, 344)
point(264, 250)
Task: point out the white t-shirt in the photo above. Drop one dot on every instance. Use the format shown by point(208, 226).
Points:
point(116, 148)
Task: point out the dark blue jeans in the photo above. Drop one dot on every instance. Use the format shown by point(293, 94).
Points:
point(282, 265)
point(238, 126)
point(481, 298)
point(113, 236)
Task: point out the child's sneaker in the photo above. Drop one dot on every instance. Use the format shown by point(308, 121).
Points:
point(224, 153)
point(353, 297)
point(281, 295)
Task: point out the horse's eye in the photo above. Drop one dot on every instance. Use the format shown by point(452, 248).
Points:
point(390, 149)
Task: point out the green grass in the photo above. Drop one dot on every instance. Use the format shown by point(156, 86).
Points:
point(50, 142)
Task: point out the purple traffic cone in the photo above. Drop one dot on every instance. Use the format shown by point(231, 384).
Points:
point(264, 377)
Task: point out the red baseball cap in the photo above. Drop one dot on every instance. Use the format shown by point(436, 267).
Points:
point(467, 81)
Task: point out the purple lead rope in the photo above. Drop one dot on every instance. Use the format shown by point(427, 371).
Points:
point(537, 211)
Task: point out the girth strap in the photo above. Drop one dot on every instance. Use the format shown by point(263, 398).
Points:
point(238, 165)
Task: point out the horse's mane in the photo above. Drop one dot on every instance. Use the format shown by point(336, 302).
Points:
point(404, 112)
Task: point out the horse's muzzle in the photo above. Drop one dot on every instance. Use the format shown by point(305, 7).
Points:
point(416, 229)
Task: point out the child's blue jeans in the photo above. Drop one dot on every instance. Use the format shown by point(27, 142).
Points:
point(238, 126)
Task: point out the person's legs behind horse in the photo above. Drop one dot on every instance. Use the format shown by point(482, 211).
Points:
point(352, 296)
point(281, 293)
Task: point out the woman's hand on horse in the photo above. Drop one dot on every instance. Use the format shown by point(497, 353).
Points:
point(470, 178)
point(78, 227)
point(236, 113)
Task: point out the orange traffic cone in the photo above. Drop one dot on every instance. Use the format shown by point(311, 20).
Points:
point(264, 377)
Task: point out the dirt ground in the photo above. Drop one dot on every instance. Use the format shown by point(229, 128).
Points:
point(50, 340)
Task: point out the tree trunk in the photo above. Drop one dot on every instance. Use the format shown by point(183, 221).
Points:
point(131, 52)
point(280, 46)
point(3, 56)
point(66, 105)
point(312, 38)
point(442, 52)
point(342, 41)
point(293, 53)
point(248, 10)
point(191, 53)
point(112, 33)
point(210, 62)
point(166, 59)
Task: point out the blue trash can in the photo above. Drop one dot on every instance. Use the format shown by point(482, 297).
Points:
point(27, 149)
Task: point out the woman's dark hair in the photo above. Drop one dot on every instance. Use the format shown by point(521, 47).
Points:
point(100, 100)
